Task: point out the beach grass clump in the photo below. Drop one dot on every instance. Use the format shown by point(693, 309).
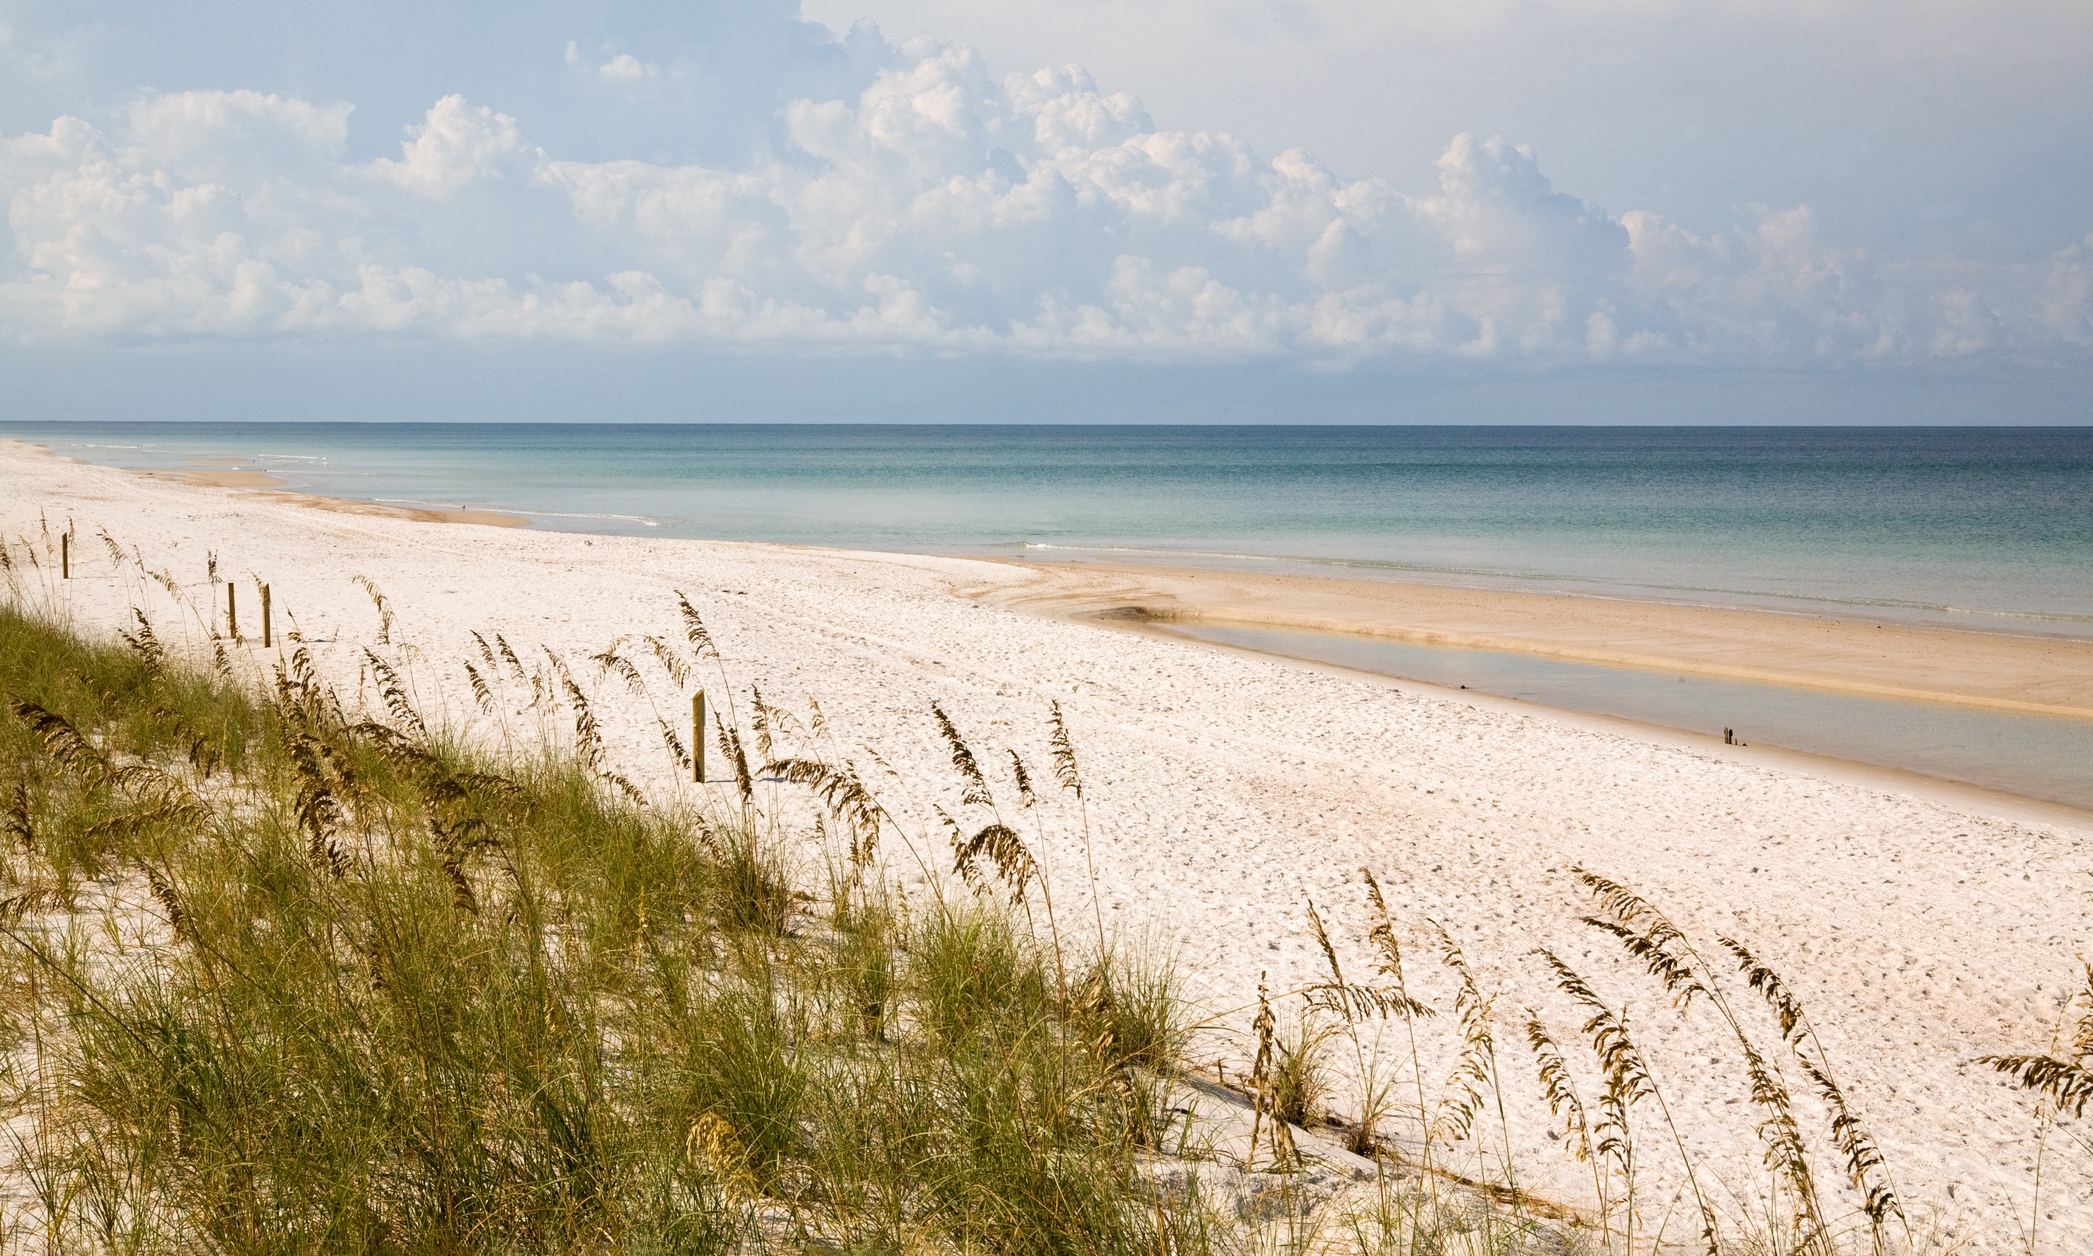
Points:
point(1603, 1086)
point(286, 976)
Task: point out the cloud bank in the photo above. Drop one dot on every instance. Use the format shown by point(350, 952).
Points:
point(937, 208)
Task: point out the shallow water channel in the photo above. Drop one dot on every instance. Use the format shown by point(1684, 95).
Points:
point(2036, 756)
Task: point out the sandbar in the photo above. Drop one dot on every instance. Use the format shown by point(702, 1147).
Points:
point(230, 477)
point(2000, 671)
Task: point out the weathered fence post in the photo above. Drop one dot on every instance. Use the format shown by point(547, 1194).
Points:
point(697, 735)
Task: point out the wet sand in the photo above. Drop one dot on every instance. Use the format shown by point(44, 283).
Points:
point(230, 477)
point(2030, 674)
point(266, 484)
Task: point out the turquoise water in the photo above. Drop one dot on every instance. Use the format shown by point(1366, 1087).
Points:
point(1982, 528)
point(2032, 755)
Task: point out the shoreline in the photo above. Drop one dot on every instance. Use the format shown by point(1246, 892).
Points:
point(1448, 617)
point(2001, 804)
point(1673, 637)
point(1991, 669)
point(1071, 599)
point(268, 485)
point(1144, 599)
point(2050, 676)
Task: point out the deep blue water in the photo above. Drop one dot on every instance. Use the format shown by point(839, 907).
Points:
point(1976, 527)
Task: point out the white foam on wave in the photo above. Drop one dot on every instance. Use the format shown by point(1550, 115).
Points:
point(644, 520)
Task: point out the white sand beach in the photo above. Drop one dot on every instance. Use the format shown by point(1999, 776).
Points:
point(1227, 790)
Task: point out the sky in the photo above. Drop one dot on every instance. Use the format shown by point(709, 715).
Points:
point(1225, 210)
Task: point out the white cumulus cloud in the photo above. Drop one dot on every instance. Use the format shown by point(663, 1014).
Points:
point(945, 209)
point(626, 68)
point(459, 145)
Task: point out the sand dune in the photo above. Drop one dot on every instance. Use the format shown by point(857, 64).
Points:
point(1228, 790)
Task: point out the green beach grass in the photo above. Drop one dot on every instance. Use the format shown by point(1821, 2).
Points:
point(280, 973)
point(280, 980)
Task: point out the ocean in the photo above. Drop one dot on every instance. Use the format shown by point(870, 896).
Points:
point(1982, 528)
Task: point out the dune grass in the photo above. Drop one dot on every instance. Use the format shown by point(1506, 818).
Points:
point(283, 980)
point(280, 973)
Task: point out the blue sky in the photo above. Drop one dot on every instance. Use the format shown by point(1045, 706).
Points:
point(1449, 210)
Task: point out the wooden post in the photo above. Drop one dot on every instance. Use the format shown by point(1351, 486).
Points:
point(697, 735)
point(232, 613)
point(267, 639)
point(65, 555)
